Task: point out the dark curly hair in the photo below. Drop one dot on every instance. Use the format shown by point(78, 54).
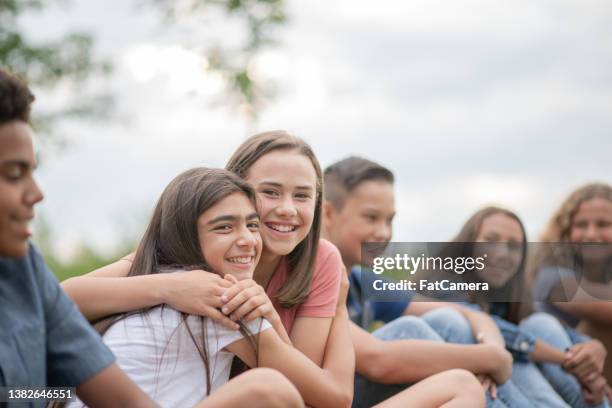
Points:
point(15, 98)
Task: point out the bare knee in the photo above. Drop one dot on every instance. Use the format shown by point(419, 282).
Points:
point(272, 389)
point(466, 386)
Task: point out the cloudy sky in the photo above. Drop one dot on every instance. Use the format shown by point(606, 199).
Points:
point(469, 102)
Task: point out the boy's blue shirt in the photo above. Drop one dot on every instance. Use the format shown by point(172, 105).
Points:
point(365, 312)
point(44, 339)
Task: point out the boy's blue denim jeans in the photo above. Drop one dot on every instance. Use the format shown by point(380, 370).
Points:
point(528, 387)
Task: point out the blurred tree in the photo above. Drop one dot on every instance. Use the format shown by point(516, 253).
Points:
point(259, 19)
point(48, 64)
point(85, 257)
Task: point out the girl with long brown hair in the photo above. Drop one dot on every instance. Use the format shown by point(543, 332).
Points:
point(205, 219)
point(501, 235)
point(296, 282)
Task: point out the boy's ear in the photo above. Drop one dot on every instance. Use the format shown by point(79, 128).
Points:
point(329, 213)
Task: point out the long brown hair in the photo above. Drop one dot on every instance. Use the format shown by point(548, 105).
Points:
point(301, 260)
point(171, 240)
point(516, 285)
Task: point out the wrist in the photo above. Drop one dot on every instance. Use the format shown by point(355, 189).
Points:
point(162, 288)
point(498, 356)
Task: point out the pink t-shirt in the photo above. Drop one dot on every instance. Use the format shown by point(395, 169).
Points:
point(323, 296)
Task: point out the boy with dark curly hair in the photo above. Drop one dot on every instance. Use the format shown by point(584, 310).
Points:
point(44, 340)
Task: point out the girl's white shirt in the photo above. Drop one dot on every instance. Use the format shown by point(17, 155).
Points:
point(155, 350)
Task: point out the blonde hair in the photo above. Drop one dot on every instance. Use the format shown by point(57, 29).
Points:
point(559, 228)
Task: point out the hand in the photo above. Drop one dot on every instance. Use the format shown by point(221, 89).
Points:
point(503, 369)
point(198, 292)
point(502, 360)
point(595, 391)
point(488, 384)
point(247, 300)
point(344, 287)
point(585, 360)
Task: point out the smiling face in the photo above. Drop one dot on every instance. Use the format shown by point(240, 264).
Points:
point(228, 233)
point(285, 183)
point(502, 261)
point(366, 216)
point(592, 224)
point(18, 189)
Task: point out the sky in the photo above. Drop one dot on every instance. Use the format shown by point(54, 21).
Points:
point(469, 103)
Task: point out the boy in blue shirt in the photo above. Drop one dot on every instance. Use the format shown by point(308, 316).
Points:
point(359, 206)
point(44, 340)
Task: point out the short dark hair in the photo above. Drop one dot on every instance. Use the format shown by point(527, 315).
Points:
point(345, 175)
point(15, 98)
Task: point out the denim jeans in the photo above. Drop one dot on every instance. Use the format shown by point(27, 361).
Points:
point(547, 385)
point(547, 328)
point(439, 325)
point(452, 327)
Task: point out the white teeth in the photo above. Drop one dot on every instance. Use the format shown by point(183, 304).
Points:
point(241, 259)
point(282, 228)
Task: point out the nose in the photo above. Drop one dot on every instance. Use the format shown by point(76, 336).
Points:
point(286, 208)
point(33, 194)
point(246, 238)
point(383, 232)
point(591, 234)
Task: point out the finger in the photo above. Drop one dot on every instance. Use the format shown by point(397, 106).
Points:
point(238, 300)
point(576, 355)
point(583, 371)
point(218, 317)
point(237, 288)
point(261, 311)
point(231, 278)
point(581, 357)
point(251, 304)
point(480, 337)
point(493, 389)
point(590, 377)
point(487, 384)
point(214, 301)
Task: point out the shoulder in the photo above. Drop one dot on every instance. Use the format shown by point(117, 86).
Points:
point(328, 256)
point(328, 268)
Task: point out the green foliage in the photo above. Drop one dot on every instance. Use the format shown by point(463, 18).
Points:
point(86, 260)
point(260, 19)
point(49, 63)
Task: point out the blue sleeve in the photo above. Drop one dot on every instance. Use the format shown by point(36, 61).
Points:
point(387, 311)
point(392, 309)
point(546, 280)
point(75, 352)
point(518, 342)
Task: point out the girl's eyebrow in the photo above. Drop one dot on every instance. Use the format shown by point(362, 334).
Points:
point(232, 218)
point(24, 164)
point(279, 185)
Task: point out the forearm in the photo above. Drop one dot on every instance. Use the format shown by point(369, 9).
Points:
point(545, 353)
point(111, 387)
point(408, 361)
point(100, 297)
point(339, 357)
point(319, 387)
point(279, 328)
point(599, 312)
point(483, 325)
